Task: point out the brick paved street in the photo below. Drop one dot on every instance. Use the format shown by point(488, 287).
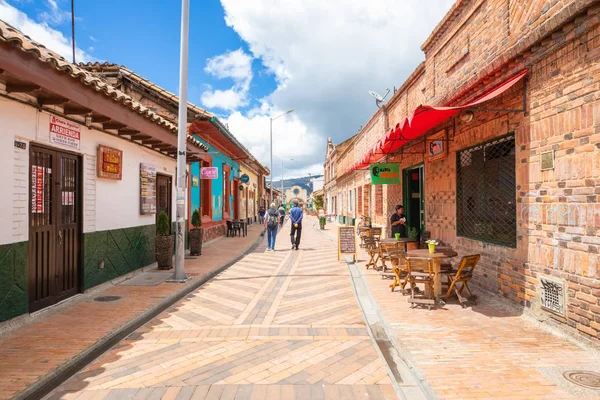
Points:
point(56, 337)
point(282, 325)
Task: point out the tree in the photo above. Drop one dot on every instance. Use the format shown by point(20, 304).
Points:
point(318, 202)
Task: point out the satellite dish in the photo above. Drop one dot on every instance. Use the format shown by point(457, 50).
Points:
point(378, 98)
point(376, 95)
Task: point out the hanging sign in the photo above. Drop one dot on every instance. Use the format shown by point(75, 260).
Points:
point(385, 174)
point(346, 241)
point(245, 178)
point(147, 189)
point(109, 163)
point(64, 132)
point(209, 173)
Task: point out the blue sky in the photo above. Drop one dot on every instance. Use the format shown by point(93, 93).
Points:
point(254, 59)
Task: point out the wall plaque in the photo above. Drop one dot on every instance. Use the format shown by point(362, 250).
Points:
point(547, 160)
point(109, 163)
point(346, 241)
point(147, 189)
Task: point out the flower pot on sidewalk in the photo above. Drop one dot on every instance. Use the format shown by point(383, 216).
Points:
point(196, 235)
point(165, 243)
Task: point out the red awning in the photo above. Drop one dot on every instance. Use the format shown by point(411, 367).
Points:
point(423, 119)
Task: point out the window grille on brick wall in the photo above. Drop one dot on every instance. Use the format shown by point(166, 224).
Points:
point(359, 198)
point(486, 192)
point(378, 200)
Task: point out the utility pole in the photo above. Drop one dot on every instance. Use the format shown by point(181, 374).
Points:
point(271, 135)
point(179, 273)
point(73, 28)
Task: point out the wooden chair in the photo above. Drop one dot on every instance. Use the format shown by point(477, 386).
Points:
point(384, 253)
point(420, 270)
point(376, 233)
point(399, 267)
point(229, 229)
point(372, 250)
point(462, 275)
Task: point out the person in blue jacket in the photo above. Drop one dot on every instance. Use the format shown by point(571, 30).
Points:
point(296, 222)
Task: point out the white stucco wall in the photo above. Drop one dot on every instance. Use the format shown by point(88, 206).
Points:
point(107, 204)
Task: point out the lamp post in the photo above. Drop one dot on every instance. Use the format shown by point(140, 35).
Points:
point(179, 273)
point(271, 134)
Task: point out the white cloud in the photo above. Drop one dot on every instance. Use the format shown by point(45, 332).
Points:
point(236, 65)
point(93, 39)
point(41, 32)
point(54, 15)
point(325, 56)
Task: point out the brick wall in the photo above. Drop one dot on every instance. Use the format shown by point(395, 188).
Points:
point(379, 200)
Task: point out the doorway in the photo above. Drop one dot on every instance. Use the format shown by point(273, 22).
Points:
point(164, 195)
point(54, 227)
point(236, 198)
point(413, 198)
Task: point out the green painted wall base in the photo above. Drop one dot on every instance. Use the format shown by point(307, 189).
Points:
point(123, 251)
point(13, 280)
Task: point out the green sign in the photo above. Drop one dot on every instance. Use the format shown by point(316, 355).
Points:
point(385, 174)
point(245, 178)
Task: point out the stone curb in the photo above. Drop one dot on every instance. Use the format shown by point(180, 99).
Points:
point(54, 379)
point(380, 332)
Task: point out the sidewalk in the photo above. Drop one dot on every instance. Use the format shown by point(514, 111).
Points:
point(487, 351)
point(38, 351)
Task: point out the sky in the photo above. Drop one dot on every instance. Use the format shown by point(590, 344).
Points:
point(251, 60)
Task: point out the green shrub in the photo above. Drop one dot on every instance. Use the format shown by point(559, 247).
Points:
point(412, 233)
point(196, 220)
point(163, 227)
point(322, 220)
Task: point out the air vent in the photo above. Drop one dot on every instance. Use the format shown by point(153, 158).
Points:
point(553, 295)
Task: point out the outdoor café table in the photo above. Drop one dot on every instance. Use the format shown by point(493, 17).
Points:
point(398, 241)
point(436, 259)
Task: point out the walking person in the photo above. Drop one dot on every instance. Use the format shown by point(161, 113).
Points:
point(261, 215)
point(271, 224)
point(296, 220)
point(281, 214)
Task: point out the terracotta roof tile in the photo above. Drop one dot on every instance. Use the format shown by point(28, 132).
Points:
point(11, 35)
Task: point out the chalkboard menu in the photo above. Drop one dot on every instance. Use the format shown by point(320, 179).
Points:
point(346, 241)
point(147, 189)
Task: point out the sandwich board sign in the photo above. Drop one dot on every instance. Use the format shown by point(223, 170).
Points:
point(346, 242)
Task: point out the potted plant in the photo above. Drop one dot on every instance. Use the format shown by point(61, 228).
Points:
point(431, 244)
point(165, 242)
point(196, 234)
point(322, 222)
point(412, 235)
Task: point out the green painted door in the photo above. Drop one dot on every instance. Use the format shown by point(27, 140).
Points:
point(413, 197)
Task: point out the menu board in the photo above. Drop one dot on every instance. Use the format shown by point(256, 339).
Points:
point(147, 189)
point(346, 241)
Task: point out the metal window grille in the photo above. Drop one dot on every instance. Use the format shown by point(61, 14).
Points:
point(359, 198)
point(552, 295)
point(486, 192)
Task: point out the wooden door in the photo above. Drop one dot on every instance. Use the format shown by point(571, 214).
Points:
point(236, 199)
point(164, 194)
point(54, 227)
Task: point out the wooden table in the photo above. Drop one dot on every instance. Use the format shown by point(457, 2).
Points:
point(436, 259)
point(401, 240)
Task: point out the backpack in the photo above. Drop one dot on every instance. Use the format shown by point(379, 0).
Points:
point(273, 220)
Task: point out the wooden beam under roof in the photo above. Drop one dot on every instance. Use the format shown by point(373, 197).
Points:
point(113, 125)
point(75, 110)
point(151, 141)
point(128, 131)
point(51, 101)
point(21, 87)
point(140, 136)
point(162, 146)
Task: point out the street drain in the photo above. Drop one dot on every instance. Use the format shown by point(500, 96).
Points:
point(107, 298)
point(588, 379)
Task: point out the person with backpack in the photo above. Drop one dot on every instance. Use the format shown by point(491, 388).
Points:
point(271, 224)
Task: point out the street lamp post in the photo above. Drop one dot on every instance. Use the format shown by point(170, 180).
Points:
point(271, 134)
point(283, 194)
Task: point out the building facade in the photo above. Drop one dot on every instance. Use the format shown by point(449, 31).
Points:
point(510, 170)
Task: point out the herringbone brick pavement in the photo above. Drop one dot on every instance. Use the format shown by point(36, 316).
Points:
point(281, 325)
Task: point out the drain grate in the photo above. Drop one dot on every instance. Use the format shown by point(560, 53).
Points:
point(588, 379)
point(107, 298)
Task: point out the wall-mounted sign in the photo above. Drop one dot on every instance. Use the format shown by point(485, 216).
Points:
point(147, 189)
point(437, 146)
point(194, 181)
point(209, 173)
point(20, 145)
point(385, 174)
point(245, 178)
point(37, 189)
point(64, 132)
point(547, 160)
point(109, 163)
